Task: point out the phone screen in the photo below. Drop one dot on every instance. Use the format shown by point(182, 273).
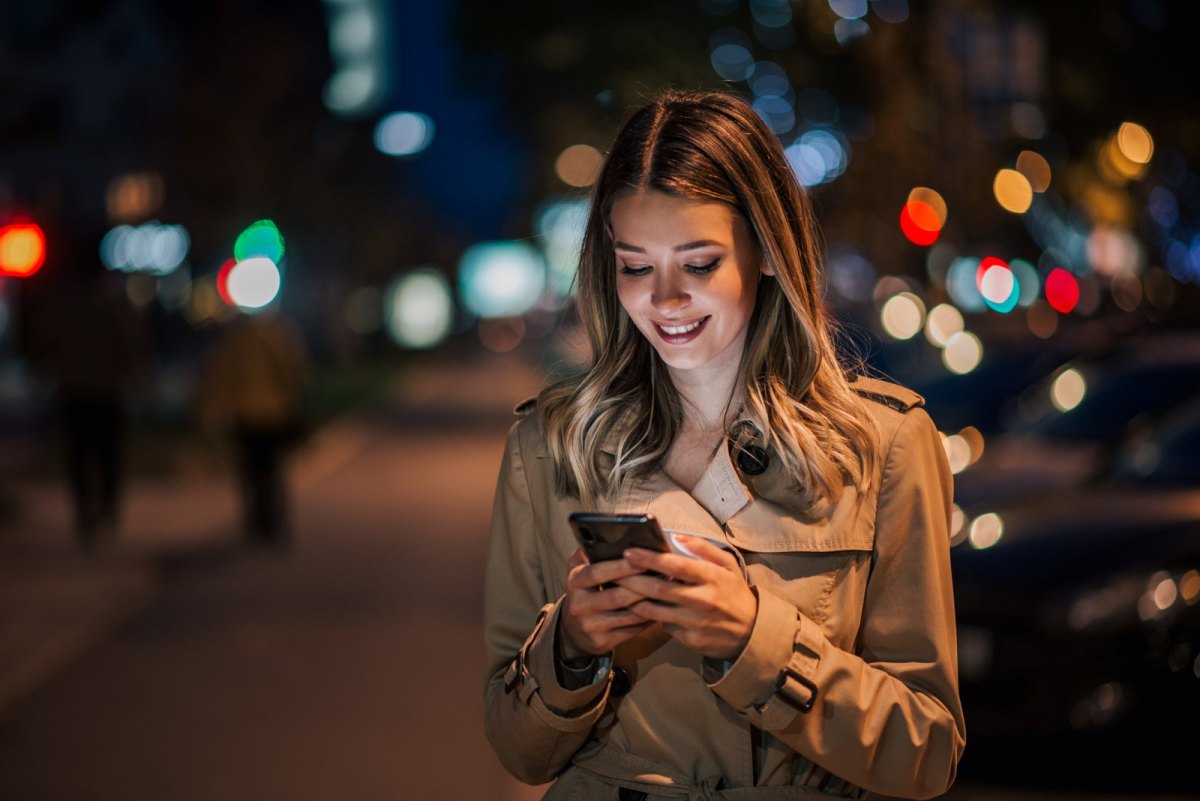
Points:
point(605, 537)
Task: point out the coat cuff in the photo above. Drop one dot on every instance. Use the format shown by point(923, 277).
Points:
point(541, 656)
point(752, 677)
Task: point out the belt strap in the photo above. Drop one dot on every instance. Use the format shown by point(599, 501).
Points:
point(623, 769)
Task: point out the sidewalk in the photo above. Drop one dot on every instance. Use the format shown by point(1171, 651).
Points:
point(57, 602)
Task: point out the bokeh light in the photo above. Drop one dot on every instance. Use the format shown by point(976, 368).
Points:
point(902, 316)
point(559, 225)
point(1189, 587)
point(221, 283)
point(1042, 319)
point(962, 284)
point(1062, 291)
point(151, 248)
point(1068, 390)
point(1013, 191)
point(1126, 291)
point(22, 249)
point(733, 61)
point(254, 282)
point(974, 439)
point(501, 279)
point(923, 216)
point(850, 274)
point(260, 239)
point(404, 133)
point(999, 288)
point(1028, 282)
point(1135, 143)
point(986, 530)
point(962, 353)
point(846, 31)
point(958, 452)
point(1036, 170)
point(818, 156)
point(134, 196)
point(418, 309)
point(1112, 250)
point(501, 334)
point(578, 165)
point(943, 322)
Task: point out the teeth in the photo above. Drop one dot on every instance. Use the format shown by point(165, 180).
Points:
point(676, 330)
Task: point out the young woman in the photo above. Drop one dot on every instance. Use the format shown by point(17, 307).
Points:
point(810, 646)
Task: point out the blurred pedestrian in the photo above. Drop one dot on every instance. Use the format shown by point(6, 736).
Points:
point(253, 389)
point(91, 341)
point(796, 636)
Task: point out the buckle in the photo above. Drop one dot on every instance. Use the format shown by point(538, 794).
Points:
point(780, 689)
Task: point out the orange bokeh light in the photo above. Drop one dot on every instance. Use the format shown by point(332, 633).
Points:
point(920, 222)
point(22, 249)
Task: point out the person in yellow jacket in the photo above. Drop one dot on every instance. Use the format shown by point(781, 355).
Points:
point(809, 649)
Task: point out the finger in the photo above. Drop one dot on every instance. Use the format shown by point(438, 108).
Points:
point(668, 564)
point(577, 558)
point(656, 588)
point(660, 612)
point(587, 602)
point(605, 572)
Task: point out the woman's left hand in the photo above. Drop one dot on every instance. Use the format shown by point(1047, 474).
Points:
point(704, 603)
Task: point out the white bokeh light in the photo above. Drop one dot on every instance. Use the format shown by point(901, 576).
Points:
point(254, 283)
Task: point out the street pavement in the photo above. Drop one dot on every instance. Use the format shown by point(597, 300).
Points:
point(177, 663)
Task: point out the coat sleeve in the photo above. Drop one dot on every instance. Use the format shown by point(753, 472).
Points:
point(887, 718)
point(534, 723)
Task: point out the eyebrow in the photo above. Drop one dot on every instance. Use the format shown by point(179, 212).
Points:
point(699, 243)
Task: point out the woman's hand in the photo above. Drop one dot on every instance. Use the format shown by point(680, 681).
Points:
point(596, 619)
point(707, 606)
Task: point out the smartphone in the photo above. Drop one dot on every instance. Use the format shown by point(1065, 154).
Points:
point(605, 536)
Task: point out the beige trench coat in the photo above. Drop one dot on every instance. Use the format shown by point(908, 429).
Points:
point(848, 684)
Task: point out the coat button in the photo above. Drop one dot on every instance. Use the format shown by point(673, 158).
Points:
point(752, 460)
point(620, 682)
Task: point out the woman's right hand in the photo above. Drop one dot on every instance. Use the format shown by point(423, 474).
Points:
point(595, 619)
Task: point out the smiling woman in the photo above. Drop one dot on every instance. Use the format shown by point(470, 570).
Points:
point(753, 655)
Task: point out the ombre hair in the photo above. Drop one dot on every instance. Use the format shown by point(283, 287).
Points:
point(708, 146)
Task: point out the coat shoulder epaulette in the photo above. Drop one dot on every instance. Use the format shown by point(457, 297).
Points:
point(526, 406)
point(890, 395)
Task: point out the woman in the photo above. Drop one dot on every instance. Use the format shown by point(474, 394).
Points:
point(810, 647)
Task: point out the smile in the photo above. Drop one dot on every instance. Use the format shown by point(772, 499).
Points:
point(680, 333)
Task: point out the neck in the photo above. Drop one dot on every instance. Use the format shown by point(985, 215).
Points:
point(708, 400)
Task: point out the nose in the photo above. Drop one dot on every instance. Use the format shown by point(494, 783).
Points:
point(669, 293)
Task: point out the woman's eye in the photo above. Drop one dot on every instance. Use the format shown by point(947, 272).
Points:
point(633, 269)
point(701, 269)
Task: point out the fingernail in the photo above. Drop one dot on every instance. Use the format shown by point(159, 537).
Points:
point(679, 537)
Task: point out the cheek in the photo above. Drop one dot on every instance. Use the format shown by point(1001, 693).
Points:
point(627, 296)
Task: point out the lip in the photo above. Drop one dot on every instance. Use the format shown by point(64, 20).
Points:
point(681, 338)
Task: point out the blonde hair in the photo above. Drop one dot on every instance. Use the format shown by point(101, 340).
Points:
point(708, 146)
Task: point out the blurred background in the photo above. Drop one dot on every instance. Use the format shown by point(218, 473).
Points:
point(274, 275)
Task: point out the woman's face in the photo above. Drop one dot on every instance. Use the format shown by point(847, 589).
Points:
point(687, 276)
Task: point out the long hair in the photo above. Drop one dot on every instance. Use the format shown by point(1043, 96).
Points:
point(710, 147)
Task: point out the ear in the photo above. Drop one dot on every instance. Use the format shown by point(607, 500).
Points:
point(765, 267)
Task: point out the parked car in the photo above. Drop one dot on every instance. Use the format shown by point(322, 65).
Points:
point(1079, 624)
point(1066, 430)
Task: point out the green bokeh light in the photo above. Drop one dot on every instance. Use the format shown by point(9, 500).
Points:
point(260, 239)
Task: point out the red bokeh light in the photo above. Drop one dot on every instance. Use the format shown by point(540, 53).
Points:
point(1062, 290)
point(223, 281)
point(985, 264)
point(920, 222)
